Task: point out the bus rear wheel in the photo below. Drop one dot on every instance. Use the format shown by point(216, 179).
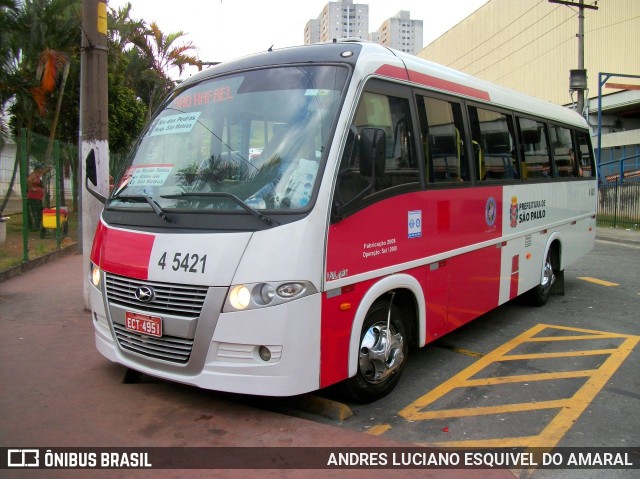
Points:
point(382, 354)
point(539, 295)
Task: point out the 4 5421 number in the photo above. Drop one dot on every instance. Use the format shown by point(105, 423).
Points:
point(188, 262)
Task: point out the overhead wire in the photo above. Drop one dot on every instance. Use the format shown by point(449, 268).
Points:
point(559, 45)
point(522, 47)
point(517, 35)
point(494, 35)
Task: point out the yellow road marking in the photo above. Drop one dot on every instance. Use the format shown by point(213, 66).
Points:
point(563, 354)
point(601, 282)
point(326, 407)
point(378, 429)
point(529, 378)
point(569, 408)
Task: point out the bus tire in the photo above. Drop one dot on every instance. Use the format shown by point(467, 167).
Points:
point(378, 373)
point(539, 296)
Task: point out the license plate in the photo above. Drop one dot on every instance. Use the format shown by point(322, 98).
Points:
point(143, 323)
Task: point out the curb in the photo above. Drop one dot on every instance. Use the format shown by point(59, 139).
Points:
point(39, 261)
point(632, 238)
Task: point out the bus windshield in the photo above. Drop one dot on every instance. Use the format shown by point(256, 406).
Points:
point(251, 140)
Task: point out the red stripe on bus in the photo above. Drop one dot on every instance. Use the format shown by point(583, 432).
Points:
point(433, 82)
point(393, 72)
point(122, 252)
point(515, 275)
point(447, 85)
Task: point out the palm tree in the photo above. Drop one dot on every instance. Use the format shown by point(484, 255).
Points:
point(32, 60)
point(165, 55)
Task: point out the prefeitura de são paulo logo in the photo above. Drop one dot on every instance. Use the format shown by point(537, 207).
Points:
point(513, 212)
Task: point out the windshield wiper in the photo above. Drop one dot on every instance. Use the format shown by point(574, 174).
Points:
point(154, 205)
point(221, 194)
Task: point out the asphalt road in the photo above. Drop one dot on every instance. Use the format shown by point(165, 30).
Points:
point(563, 375)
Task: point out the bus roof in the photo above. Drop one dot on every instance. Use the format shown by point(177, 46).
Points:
point(376, 60)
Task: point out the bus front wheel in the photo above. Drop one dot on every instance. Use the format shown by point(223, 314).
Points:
point(382, 354)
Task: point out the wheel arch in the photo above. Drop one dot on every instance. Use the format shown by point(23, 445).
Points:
point(409, 297)
point(554, 244)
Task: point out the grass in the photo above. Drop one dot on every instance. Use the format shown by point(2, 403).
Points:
point(12, 251)
point(610, 221)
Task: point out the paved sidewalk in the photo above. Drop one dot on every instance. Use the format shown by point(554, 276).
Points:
point(618, 235)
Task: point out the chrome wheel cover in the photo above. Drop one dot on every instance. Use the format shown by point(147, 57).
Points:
point(380, 354)
point(548, 276)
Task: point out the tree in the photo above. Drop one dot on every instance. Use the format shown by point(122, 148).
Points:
point(38, 44)
point(8, 11)
point(40, 71)
point(165, 55)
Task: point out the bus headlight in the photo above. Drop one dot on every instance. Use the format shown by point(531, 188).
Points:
point(240, 297)
point(258, 295)
point(95, 275)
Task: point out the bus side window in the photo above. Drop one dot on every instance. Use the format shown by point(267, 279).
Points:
point(391, 115)
point(493, 145)
point(585, 155)
point(535, 150)
point(564, 151)
point(441, 126)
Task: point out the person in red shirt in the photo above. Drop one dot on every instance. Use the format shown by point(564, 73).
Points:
point(35, 195)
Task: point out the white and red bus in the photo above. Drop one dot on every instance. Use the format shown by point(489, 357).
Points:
point(303, 217)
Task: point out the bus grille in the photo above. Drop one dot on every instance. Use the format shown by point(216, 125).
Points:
point(175, 299)
point(167, 348)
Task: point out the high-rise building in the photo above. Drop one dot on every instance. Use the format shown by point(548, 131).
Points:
point(400, 32)
point(343, 19)
point(346, 19)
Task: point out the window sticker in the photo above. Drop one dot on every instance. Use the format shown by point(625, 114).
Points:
point(415, 224)
point(181, 123)
point(149, 175)
point(316, 92)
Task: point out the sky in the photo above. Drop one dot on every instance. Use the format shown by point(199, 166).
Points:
point(212, 25)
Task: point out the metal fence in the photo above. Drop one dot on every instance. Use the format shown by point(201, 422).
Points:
point(619, 192)
point(36, 198)
point(619, 204)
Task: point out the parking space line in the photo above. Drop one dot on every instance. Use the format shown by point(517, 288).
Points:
point(601, 282)
point(529, 377)
point(569, 408)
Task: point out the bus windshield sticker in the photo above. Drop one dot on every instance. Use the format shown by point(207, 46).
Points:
point(415, 224)
point(149, 175)
point(181, 123)
point(316, 92)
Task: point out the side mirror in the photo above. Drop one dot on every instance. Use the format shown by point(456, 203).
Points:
point(92, 176)
point(90, 168)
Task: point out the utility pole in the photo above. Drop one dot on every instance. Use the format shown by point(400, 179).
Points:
point(578, 77)
point(93, 122)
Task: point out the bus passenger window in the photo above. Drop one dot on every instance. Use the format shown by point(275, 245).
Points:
point(585, 155)
point(392, 115)
point(493, 145)
point(564, 152)
point(533, 142)
point(444, 151)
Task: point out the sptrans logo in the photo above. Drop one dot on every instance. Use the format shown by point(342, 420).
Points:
point(513, 212)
